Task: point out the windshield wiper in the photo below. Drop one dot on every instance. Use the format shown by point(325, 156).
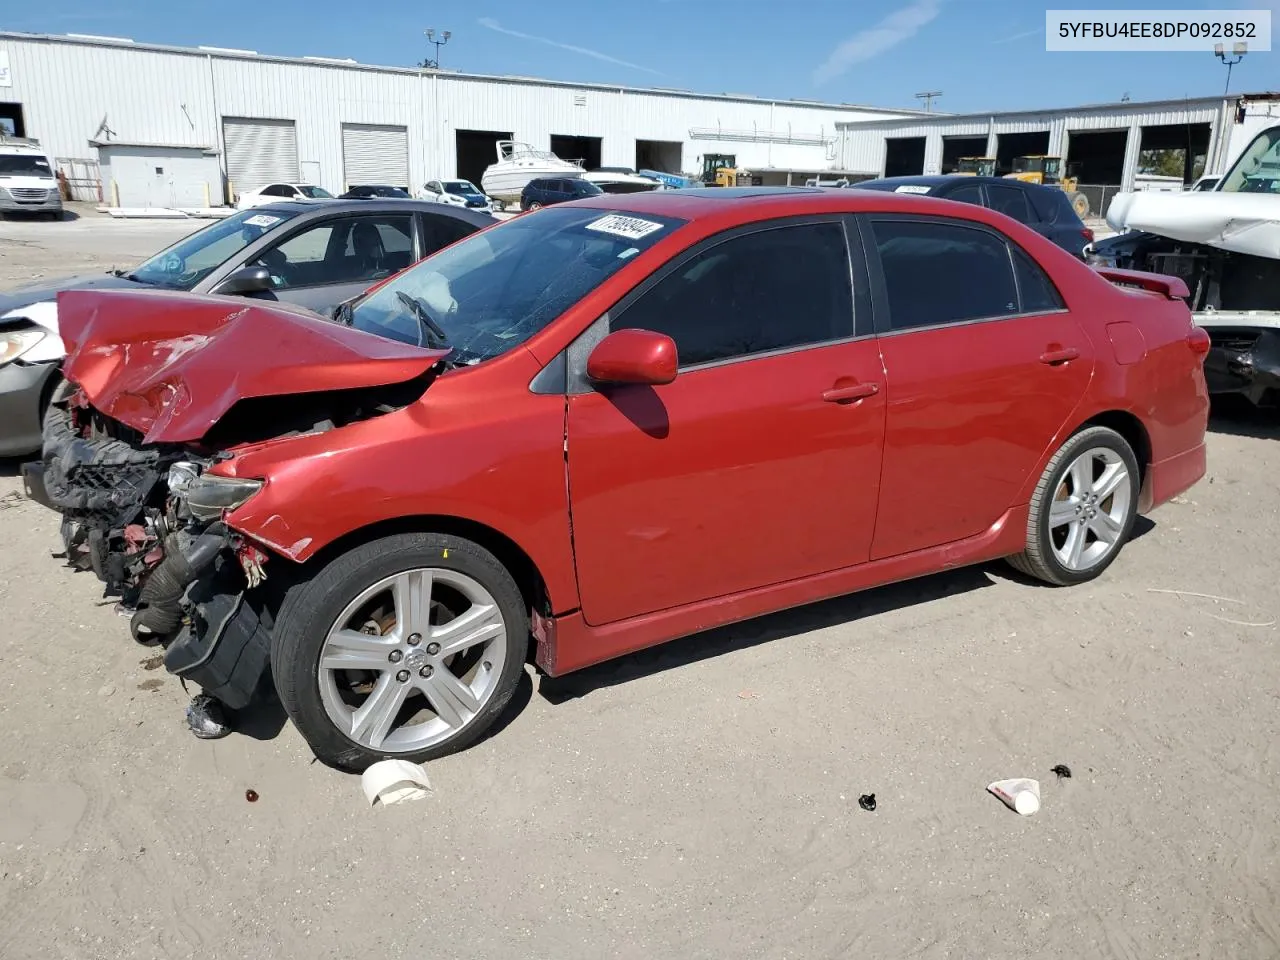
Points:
point(429, 327)
point(342, 312)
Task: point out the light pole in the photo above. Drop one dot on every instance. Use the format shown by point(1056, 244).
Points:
point(1238, 51)
point(928, 97)
point(431, 38)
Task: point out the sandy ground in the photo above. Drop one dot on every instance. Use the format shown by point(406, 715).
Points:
point(699, 800)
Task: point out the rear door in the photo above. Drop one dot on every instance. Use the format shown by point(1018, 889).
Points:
point(984, 364)
point(760, 463)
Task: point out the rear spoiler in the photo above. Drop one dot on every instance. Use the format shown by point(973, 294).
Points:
point(1175, 288)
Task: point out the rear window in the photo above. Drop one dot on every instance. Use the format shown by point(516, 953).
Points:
point(1052, 206)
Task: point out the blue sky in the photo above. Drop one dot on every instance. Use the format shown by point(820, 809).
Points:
point(983, 54)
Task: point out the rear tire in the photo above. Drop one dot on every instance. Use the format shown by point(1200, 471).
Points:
point(1083, 509)
point(372, 627)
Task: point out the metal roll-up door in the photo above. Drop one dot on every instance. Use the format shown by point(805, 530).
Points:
point(375, 155)
point(260, 152)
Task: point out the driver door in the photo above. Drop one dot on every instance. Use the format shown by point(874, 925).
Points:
point(760, 463)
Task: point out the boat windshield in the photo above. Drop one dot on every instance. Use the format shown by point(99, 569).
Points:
point(492, 291)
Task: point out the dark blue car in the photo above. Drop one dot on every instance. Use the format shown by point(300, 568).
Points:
point(1046, 210)
point(544, 191)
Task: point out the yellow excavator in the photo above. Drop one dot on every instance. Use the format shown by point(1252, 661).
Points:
point(1044, 169)
point(976, 167)
point(721, 170)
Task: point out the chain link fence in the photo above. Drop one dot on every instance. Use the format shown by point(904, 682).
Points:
point(1099, 197)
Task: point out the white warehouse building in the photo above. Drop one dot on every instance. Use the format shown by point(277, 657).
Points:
point(149, 125)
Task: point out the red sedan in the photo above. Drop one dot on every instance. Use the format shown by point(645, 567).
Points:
point(607, 424)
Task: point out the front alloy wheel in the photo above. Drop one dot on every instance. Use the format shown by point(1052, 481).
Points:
point(408, 647)
point(412, 659)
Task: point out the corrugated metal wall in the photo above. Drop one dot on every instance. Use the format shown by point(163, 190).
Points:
point(176, 96)
point(862, 145)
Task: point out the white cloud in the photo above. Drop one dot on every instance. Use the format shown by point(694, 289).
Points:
point(888, 33)
point(491, 24)
point(1021, 36)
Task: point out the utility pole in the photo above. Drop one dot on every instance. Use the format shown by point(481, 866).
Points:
point(1238, 51)
point(928, 97)
point(431, 38)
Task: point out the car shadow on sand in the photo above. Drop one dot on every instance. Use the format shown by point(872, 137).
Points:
point(1237, 417)
point(788, 623)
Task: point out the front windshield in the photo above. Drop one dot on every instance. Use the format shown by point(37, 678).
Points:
point(190, 260)
point(497, 288)
point(24, 165)
point(585, 188)
point(460, 187)
point(1051, 167)
point(1258, 169)
point(315, 193)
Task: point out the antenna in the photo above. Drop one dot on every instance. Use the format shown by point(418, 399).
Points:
point(103, 130)
point(928, 97)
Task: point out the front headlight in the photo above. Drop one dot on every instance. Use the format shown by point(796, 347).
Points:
point(209, 495)
point(14, 343)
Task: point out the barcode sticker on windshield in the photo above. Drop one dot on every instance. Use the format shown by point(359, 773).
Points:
point(630, 228)
point(911, 188)
point(262, 220)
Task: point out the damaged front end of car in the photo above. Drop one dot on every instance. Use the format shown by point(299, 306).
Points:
point(148, 521)
point(137, 443)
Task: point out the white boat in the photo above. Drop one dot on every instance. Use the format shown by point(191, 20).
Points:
point(518, 163)
point(621, 181)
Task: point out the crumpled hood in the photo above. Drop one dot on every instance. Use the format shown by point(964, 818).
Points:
point(1238, 222)
point(172, 364)
point(16, 298)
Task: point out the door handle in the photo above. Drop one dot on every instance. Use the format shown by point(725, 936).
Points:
point(857, 391)
point(1055, 357)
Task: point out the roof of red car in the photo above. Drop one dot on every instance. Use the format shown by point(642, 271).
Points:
point(749, 203)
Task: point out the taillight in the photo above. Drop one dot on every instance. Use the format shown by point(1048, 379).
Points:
point(1199, 342)
point(1087, 234)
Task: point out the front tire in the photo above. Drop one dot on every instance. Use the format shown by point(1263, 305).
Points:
point(1083, 509)
point(406, 647)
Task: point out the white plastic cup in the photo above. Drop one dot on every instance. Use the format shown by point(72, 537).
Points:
point(1021, 794)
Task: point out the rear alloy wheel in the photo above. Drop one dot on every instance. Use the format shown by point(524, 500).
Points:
point(1083, 509)
point(535, 206)
point(408, 647)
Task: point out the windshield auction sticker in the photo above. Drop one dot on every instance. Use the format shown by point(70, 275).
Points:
point(1222, 31)
point(629, 228)
point(262, 220)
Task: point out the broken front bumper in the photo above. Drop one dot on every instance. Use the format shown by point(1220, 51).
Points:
point(186, 582)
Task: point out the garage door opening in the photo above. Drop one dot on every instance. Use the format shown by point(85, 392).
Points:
point(953, 148)
point(1012, 145)
point(586, 149)
point(1096, 159)
point(11, 123)
point(374, 155)
point(259, 152)
point(476, 151)
point(1174, 150)
point(665, 156)
point(903, 156)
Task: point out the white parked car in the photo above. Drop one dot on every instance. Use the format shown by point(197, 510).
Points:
point(272, 192)
point(458, 193)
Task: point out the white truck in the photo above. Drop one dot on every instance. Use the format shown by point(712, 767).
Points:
point(1225, 243)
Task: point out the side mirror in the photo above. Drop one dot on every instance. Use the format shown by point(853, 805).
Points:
point(633, 357)
point(246, 280)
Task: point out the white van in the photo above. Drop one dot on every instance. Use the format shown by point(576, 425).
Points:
point(28, 179)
